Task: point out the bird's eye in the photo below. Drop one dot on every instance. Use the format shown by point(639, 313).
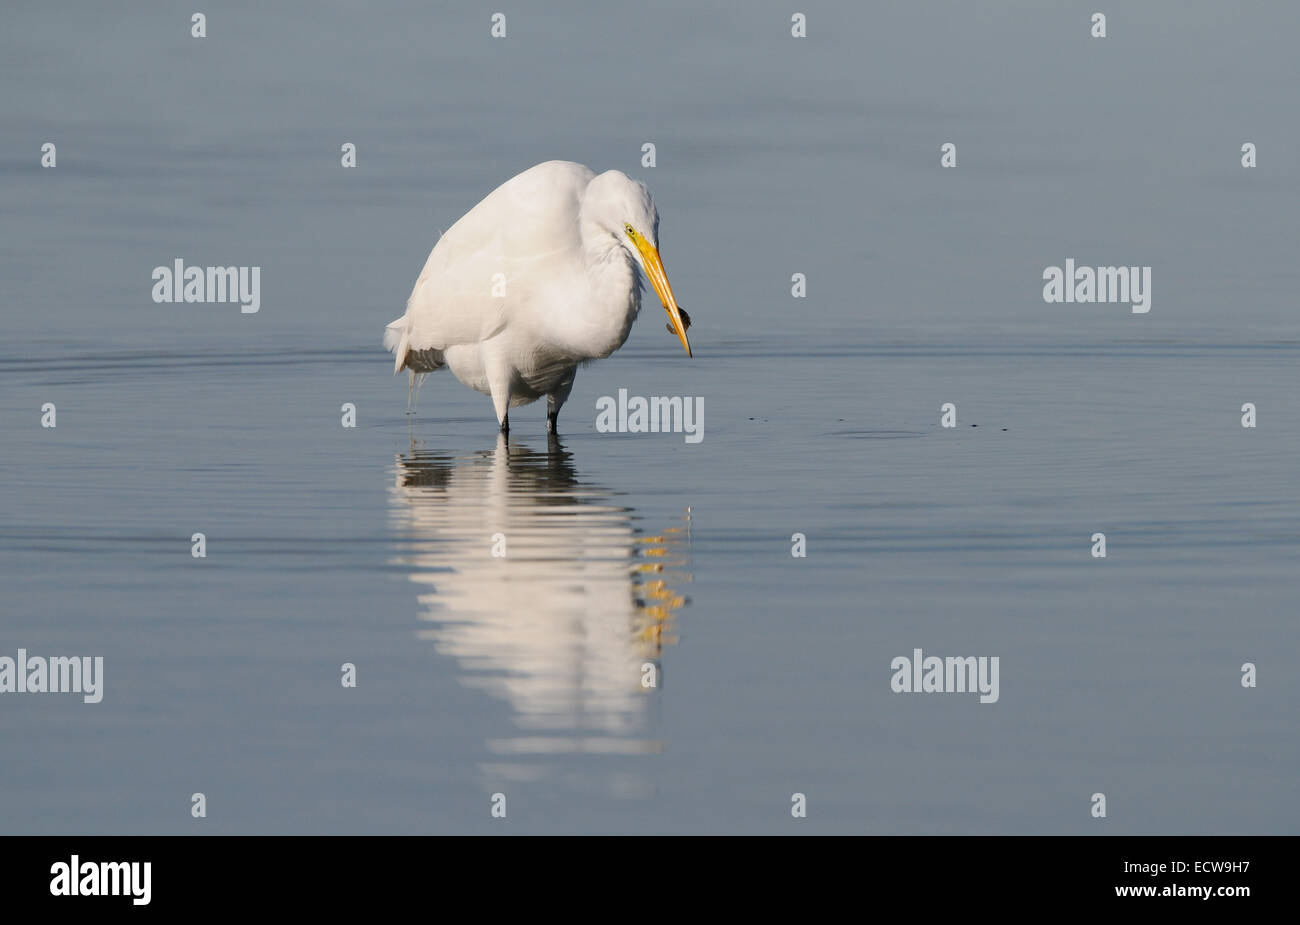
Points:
point(630, 231)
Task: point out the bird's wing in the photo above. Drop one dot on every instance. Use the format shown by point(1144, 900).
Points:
point(495, 257)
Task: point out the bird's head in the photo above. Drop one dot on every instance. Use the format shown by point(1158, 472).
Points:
point(621, 206)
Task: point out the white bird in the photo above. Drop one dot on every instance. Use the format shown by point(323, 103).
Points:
point(542, 275)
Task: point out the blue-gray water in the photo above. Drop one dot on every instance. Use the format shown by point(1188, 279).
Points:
point(478, 675)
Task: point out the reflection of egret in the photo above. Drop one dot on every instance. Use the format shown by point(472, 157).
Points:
point(542, 275)
point(567, 624)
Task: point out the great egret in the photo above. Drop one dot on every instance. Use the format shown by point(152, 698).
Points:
point(542, 275)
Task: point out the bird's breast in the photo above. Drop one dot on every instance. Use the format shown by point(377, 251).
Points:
point(588, 318)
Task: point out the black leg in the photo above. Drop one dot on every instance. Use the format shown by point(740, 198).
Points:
point(505, 425)
point(555, 401)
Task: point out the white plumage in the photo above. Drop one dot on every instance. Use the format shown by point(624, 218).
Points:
point(542, 275)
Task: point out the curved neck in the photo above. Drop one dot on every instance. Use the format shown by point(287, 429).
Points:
point(605, 317)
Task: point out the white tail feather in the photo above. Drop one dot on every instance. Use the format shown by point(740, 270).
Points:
point(397, 338)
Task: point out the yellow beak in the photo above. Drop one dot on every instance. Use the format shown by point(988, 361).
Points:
point(654, 268)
